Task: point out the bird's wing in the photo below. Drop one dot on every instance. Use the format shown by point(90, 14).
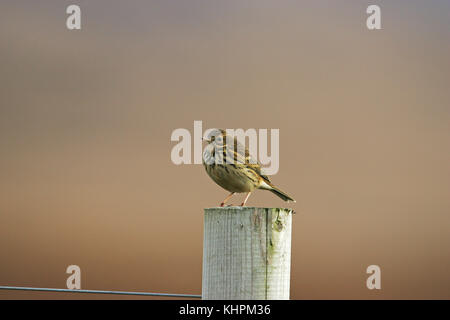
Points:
point(242, 156)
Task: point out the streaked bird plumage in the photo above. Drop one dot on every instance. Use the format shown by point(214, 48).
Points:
point(232, 167)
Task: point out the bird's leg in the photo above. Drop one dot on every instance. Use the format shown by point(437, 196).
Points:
point(245, 200)
point(226, 199)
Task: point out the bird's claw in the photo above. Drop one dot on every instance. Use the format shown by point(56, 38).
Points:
point(223, 205)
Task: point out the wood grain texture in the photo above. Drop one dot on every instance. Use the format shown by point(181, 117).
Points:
point(246, 253)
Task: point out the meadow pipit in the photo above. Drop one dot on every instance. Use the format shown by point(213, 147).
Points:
point(232, 167)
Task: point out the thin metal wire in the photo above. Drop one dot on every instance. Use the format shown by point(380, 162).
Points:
point(133, 293)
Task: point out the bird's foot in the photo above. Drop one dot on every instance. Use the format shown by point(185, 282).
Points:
point(223, 205)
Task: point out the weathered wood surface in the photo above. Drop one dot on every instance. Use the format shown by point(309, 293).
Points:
point(246, 253)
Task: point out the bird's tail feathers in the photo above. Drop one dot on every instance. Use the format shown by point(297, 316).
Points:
point(283, 195)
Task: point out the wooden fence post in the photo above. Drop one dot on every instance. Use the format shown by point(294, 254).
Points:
point(246, 253)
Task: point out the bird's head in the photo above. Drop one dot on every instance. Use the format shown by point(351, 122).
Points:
point(215, 135)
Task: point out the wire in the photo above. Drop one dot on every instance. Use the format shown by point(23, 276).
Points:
point(133, 293)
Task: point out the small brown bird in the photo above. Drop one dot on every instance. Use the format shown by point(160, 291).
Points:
point(232, 167)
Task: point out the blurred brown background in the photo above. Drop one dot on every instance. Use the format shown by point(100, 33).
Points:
point(86, 118)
